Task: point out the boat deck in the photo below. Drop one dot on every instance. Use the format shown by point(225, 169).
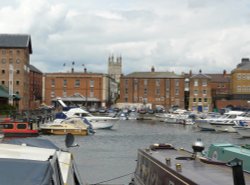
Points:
point(184, 170)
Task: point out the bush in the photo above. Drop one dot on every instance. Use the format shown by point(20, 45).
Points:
point(6, 109)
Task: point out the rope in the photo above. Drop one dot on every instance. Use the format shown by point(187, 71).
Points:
point(113, 178)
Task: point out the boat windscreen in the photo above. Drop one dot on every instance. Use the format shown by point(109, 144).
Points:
point(25, 172)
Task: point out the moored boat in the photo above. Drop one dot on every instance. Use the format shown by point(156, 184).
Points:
point(29, 161)
point(97, 122)
point(244, 131)
point(75, 126)
point(14, 128)
point(225, 152)
point(166, 165)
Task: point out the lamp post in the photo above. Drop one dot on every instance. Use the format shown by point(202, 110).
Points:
point(11, 83)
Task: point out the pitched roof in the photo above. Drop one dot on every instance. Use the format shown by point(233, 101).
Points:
point(219, 78)
point(33, 68)
point(153, 75)
point(200, 75)
point(243, 66)
point(15, 41)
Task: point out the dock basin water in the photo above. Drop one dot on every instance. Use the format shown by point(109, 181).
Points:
point(112, 154)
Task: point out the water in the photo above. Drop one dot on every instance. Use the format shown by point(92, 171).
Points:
point(112, 153)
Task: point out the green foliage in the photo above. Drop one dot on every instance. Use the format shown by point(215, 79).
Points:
point(6, 109)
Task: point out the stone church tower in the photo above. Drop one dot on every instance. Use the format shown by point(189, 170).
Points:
point(115, 67)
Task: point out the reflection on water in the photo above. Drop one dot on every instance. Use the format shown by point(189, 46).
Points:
point(112, 153)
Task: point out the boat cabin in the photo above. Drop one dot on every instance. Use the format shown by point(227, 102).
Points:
point(11, 128)
point(31, 161)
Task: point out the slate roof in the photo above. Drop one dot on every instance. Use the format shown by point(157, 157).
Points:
point(219, 78)
point(153, 75)
point(200, 75)
point(244, 65)
point(15, 41)
point(33, 68)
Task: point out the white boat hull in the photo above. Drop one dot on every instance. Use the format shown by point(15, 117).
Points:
point(204, 125)
point(223, 127)
point(101, 123)
point(243, 131)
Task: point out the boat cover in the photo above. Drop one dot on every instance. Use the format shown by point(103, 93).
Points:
point(25, 172)
point(35, 142)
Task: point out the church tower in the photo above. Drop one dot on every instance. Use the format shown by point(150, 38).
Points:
point(115, 67)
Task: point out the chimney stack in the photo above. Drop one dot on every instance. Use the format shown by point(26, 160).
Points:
point(190, 73)
point(152, 69)
point(224, 72)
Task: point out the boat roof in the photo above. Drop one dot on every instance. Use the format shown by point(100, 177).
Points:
point(35, 142)
point(11, 151)
point(29, 159)
point(235, 112)
point(192, 171)
point(29, 165)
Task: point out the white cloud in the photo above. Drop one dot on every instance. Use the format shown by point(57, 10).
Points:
point(171, 35)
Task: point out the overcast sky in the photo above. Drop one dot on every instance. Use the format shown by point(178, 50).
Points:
point(171, 35)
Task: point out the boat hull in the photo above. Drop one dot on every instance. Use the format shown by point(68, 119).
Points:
point(204, 125)
point(51, 131)
point(20, 134)
point(223, 127)
point(243, 131)
point(97, 124)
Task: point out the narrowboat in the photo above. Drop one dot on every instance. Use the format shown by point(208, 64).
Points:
point(15, 128)
point(165, 164)
point(224, 152)
point(28, 161)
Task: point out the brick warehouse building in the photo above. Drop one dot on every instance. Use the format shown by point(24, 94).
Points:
point(36, 87)
point(81, 88)
point(152, 89)
point(200, 98)
point(15, 50)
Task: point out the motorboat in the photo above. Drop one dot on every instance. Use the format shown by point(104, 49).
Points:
point(164, 164)
point(203, 123)
point(97, 122)
point(73, 125)
point(232, 119)
point(15, 128)
point(243, 129)
point(28, 161)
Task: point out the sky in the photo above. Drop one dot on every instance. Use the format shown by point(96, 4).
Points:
point(171, 35)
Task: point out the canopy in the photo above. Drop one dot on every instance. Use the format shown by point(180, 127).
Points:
point(25, 172)
point(3, 92)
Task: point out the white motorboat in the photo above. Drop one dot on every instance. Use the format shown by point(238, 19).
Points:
point(97, 122)
point(179, 118)
point(228, 123)
point(204, 123)
point(243, 129)
point(36, 161)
